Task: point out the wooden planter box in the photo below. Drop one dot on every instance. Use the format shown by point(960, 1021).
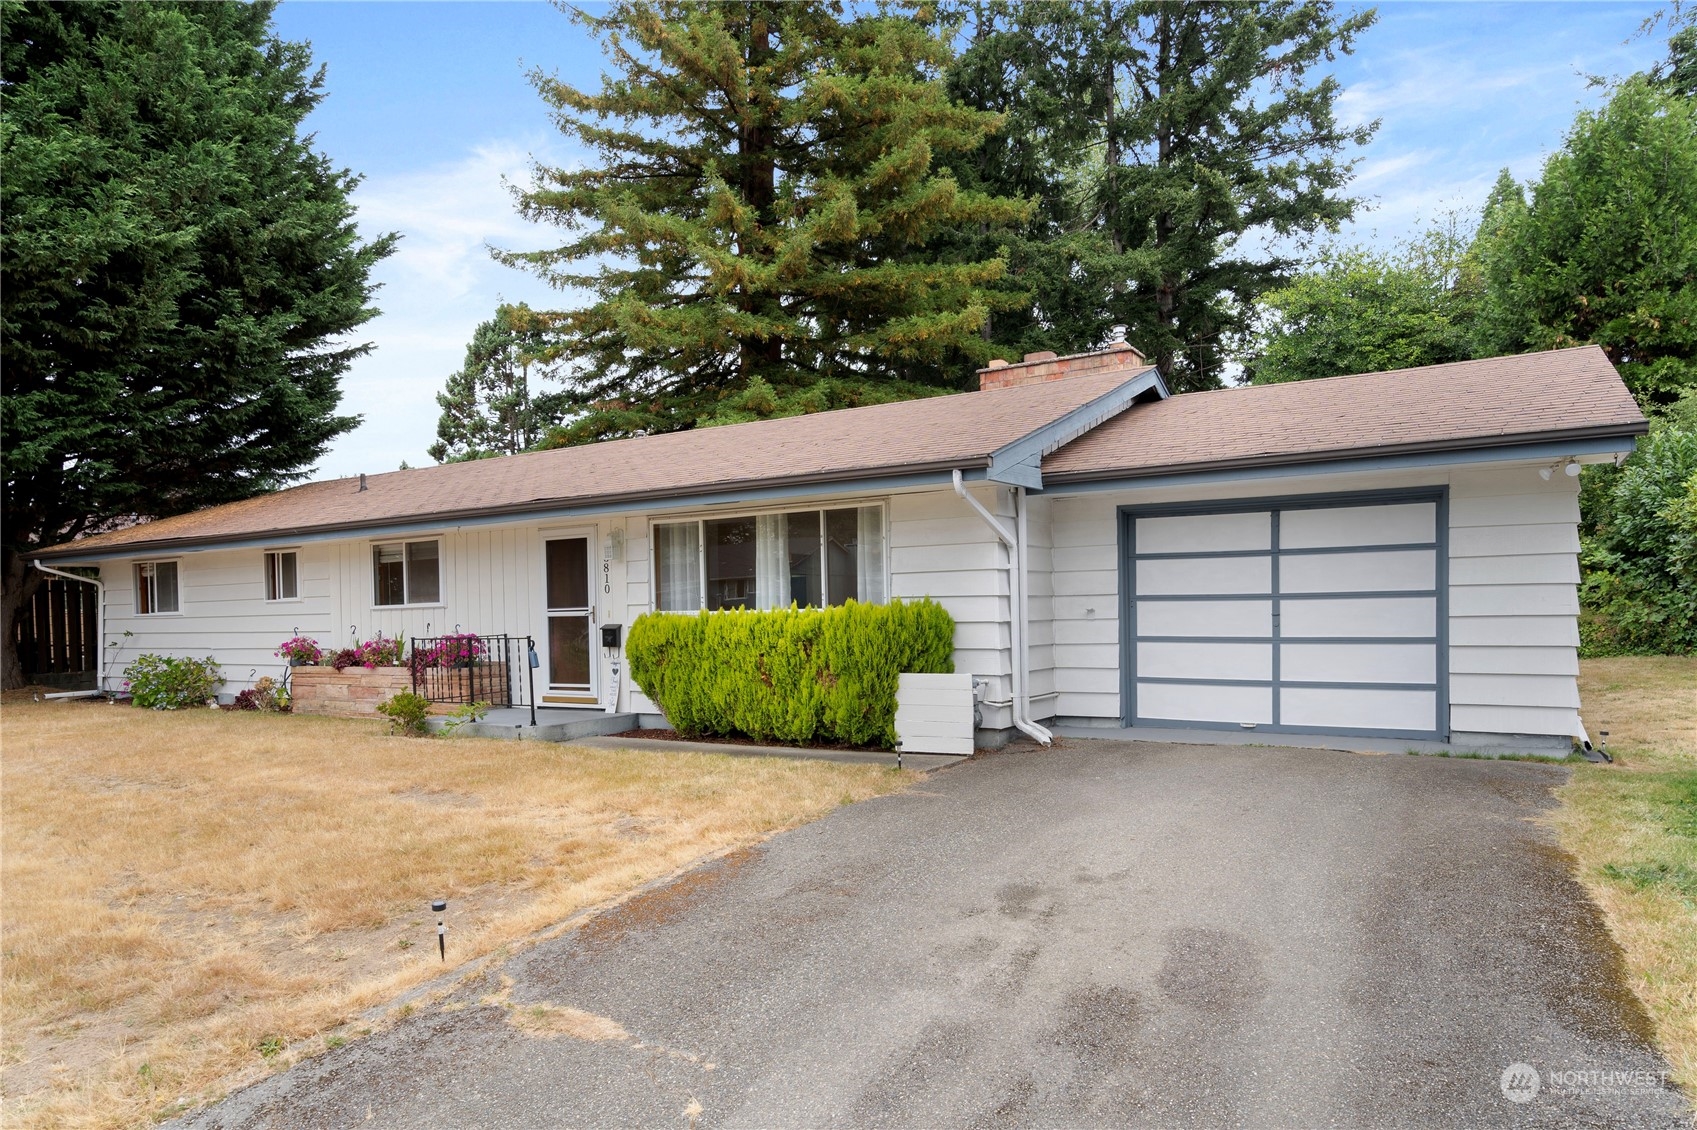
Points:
point(356, 691)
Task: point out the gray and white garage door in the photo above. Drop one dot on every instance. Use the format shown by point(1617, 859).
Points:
point(1311, 616)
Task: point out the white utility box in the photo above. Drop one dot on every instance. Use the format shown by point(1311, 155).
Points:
point(934, 714)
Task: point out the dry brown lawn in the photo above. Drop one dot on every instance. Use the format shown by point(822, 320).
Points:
point(195, 898)
point(1632, 827)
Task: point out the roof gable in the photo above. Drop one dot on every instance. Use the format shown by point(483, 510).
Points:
point(1495, 402)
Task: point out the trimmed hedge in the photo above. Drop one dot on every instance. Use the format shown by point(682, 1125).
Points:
point(789, 675)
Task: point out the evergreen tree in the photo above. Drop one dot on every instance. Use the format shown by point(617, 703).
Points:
point(1604, 248)
point(1173, 139)
point(491, 406)
point(766, 187)
point(181, 269)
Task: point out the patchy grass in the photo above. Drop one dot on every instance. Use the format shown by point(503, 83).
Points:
point(196, 898)
point(1632, 826)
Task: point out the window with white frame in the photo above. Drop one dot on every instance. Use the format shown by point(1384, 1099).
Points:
point(407, 572)
point(803, 557)
point(282, 575)
point(156, 588)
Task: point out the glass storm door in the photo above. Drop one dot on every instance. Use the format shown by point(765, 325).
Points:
point(571, 674)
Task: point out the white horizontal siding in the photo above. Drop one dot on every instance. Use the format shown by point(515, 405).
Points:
point(1512, 573)
point(1514, 660)
point(939, 548)
point(1539, 720)
point(224, 613)
point(1514, 602)
point(1514, 690)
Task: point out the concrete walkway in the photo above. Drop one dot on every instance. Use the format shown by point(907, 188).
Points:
point(1106, 934)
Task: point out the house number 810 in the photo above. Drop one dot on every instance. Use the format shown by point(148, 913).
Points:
point(606, 576)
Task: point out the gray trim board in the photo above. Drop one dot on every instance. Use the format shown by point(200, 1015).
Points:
point(1305, 684)
point(1021, 462)
point(1320, 464)
point(1275, 505)
point(1298, 551)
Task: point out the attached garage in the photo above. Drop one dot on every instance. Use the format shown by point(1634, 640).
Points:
point(1301, 615)
point(1388, 557)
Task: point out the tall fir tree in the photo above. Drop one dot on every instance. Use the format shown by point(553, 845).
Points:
point(1176, 139)
point(181, 269)
point(492, 405)
point(757, 221)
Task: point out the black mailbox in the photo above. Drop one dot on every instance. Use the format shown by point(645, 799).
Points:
point(610, 635)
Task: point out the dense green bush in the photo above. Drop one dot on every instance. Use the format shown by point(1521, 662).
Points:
point(1639, 559)
point(406, 713)
point(790, 675)
point(164, 682)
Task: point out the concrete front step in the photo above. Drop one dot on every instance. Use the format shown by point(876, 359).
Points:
point(514, 722)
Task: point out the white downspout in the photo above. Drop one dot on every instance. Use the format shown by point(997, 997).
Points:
point(1022, 659)
point(99, 632)
point(1016, 600)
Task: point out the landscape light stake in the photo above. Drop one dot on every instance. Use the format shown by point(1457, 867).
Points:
point(440, 906)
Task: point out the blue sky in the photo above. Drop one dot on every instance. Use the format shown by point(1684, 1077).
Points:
point(430, 101)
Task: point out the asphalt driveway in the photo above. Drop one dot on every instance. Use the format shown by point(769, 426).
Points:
point(1101, 935)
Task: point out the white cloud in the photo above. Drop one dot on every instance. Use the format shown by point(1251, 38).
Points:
point(436, 287)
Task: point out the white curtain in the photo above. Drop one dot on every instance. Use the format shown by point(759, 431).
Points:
point(677, 555)
point(871, 564)
point(772, 561)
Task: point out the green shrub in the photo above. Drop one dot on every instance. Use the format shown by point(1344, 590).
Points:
point(406, 713)
point(789, 675)
point(1639, 550)
point(463, 713)
point(164, 682)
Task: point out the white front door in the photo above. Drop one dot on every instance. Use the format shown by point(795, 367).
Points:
point(570, 660)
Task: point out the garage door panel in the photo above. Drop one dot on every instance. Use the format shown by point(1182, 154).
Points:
point(1415, 616)
point(1189, 702)
point(1366, 571)
point(1358, 663)
point(1358, 709)
point(1204, 618)
point(1295, 618)
point(1206, 660)
point(1397, 524)
point(1205, 533)
point(1189, 576)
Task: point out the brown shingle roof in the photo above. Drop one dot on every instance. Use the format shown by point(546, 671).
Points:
point(944, 432)
point(1467, 404)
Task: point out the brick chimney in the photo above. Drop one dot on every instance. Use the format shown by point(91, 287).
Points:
point(1045, 366)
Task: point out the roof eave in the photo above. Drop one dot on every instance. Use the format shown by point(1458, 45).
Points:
point(1471, 443)
point(79, 550)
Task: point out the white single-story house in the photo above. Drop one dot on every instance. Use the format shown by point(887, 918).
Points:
point(1389, 555)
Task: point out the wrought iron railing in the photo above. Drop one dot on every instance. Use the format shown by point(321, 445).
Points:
point(472, 668)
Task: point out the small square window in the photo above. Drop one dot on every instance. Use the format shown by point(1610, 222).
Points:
point(407, 572)
point(156, 587)
point(282, 575)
